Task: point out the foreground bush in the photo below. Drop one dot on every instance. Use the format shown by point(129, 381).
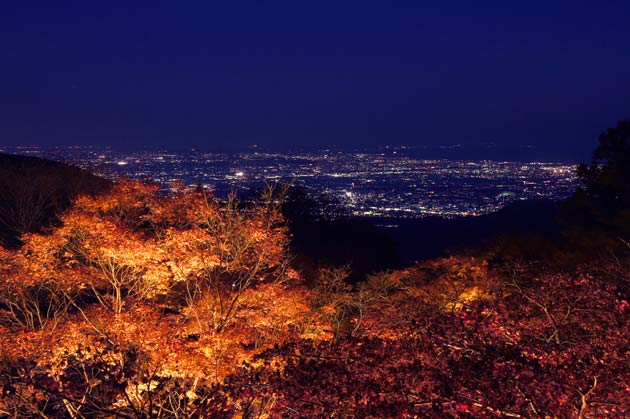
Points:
point(148, 306)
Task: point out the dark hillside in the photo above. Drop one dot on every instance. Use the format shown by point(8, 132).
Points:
point(323, 233)
point(426, 238)
point(34, 191)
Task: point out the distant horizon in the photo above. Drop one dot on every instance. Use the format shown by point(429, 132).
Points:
point(455, 151)
point(355, 73)
point(387, 181)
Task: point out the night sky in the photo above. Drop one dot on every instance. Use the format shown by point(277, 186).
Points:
point(212, 74)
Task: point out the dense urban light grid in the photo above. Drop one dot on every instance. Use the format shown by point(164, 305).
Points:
point(390, 183)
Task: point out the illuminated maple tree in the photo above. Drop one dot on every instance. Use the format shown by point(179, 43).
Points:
point(151, 305)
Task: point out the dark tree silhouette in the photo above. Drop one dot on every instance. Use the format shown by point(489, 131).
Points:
point(34, 191)
point(607, 178)
point(597, 216)
point(324, 233)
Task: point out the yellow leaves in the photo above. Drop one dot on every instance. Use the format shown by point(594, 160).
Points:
point(269, 314)
point(452, 283)
point(458, 297)
point(328, 309)
point(389, 303)
point(213, 265)
point(291, 274)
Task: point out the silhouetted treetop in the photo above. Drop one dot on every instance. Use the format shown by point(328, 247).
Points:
point(606, 178)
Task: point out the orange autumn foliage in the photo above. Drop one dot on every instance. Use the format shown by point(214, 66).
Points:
point(181, 287)
point(151, 305)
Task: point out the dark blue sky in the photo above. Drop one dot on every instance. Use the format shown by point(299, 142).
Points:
point(211, 74)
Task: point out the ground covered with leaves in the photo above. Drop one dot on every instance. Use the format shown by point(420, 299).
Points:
point(140, 305)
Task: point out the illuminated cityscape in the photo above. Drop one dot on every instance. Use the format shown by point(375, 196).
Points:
point(391, 182)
